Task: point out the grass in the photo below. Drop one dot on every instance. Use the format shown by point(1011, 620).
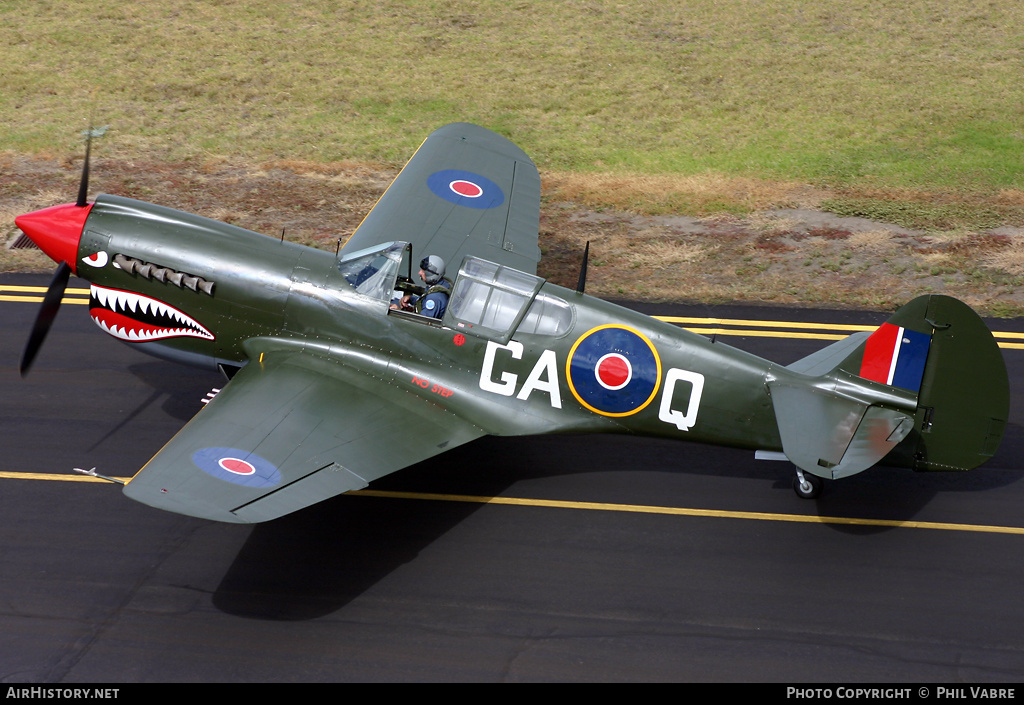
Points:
point(927, 215)
point(903, 111)
point(890, 93)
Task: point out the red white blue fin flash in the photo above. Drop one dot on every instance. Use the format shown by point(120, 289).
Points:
point(896, 356)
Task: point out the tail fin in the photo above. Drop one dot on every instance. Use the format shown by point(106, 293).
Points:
point(935, 348)
point(963, 398)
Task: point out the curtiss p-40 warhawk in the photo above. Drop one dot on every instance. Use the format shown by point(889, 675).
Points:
point(331, 387)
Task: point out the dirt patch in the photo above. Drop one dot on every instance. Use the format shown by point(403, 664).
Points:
point(783, 255)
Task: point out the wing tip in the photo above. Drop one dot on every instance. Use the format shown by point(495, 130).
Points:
point(492, 140)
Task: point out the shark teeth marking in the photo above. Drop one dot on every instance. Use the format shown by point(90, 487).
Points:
point(138, 319)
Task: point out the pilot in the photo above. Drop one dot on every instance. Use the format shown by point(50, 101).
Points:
point(434, 300)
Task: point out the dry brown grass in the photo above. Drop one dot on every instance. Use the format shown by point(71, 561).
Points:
point(879, 241)
point(772, 224)
point(1010, 197)
point(665, 254)
point(700, 195)
point(1009, 259)
point(790, 257)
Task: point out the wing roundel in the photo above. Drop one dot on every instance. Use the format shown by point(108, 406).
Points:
point(289, 430)
point(466, 191)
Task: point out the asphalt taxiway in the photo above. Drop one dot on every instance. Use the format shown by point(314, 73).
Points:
point(579, 558)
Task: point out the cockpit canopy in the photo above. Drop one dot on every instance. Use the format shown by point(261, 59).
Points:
point(488, 300)
point(372, 272)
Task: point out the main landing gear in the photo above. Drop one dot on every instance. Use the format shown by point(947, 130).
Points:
point(806, 485)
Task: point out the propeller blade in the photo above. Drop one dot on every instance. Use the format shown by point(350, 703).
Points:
point(83, 186)
point(582, 283)
point(47, 312)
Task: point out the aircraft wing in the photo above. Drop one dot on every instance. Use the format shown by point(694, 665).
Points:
point(466, 191)
point(289, 430)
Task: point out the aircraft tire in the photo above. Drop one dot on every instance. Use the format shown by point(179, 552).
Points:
point(810, 488)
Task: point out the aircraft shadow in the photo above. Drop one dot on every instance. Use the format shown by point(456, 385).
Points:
point(180, 388)
point(314, 562)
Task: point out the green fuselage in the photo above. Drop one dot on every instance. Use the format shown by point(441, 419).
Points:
point(674, 383)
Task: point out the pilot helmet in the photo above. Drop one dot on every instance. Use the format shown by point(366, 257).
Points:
point(433, 269)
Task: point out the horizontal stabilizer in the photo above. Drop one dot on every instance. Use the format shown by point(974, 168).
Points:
point(827, 359)
point(931, 376)
point(832, 435)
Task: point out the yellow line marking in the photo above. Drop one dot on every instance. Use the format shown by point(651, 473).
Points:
point(762, 324)
point(605, 507)
point(68, 294)
point(679, 320)
point(40, 290)
point(765, 333)
point(39, 299)
point(797, 325)
point(53, 476)
point(790, 324)
point(680, 511)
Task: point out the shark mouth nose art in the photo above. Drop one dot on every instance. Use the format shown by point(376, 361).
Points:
point(139, 319)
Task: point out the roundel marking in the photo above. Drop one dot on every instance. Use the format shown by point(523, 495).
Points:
point(613, 370)
point(237, 466)
point(464, 188)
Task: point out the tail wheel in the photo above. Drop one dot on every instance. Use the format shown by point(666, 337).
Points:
point(807, 486)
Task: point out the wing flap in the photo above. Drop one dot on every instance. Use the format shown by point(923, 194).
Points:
point(289, 430)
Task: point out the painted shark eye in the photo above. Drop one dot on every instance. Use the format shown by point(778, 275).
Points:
point(97, 259)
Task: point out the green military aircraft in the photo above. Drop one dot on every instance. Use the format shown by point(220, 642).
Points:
point(330, 387)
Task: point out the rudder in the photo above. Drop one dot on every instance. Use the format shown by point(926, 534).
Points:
point(940, 348)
